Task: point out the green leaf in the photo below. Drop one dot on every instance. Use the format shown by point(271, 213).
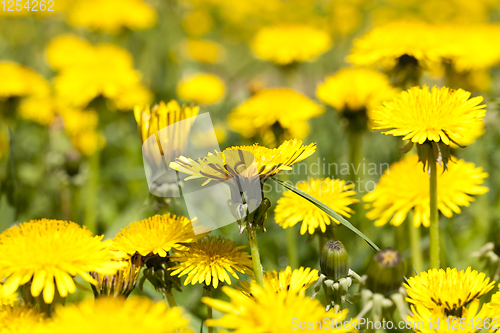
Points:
point(327, 210)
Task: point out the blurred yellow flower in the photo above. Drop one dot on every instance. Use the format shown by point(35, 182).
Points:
point(405, 186)
point(470, 47)
point(81, 127)
point(39, 109)
point(49, 254)
point(396, 43)
point(268, 162)
point(272, 312)
point(197, 23)
point(203, 50)
point(209, 260)
point(20, 81)
point(334, 193)
point(286, 44)
point(448, 289)
point(19, 319)
point(440, 115)
point(117, 314)
point(494, 308)
point(157, 235)
point(274, 110)
point(104, 69)
point(201, 88)
point(112, 15)
point(345, 17)
point(356, 89)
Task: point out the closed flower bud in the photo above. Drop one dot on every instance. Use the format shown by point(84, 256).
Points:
point(385, 272)
point(334, 261)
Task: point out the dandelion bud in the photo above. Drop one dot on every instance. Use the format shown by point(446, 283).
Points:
point(334, 261)
point(121, 283)
point(386, 272)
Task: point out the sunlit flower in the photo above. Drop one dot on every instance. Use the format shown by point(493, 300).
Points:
point(115, 314)
point(112, 15)
point(356, 89)
point(271, 110)
point(494, 308)
point(272, 312)
point(286, 44)
point(296, 281)
point(197, 23)
point(49, 253)
point(104, 69)
point(209, 260)
point(201, 88)
point(20, 81)
point(439, 115)
point(268, 162)
point(157, 235)
point(14, 319)
point(335, 193)
point(424, 320)
point(397, 43)
point(203, 50)
point(405, 186)
point(450, 290)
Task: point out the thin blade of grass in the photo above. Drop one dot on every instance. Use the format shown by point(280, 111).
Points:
point(327, 210)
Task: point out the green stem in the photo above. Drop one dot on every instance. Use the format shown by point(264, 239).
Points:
point(254, 249)
point(355, 152)
point(416, 250)
point(171, 300)
point(91, 192)
point(291, 240)
point(434, 221)
point(209, 309)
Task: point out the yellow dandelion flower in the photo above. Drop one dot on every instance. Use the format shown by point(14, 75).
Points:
point(115, 314)
point(427, 321)
point(197, 23)
point(405, 186)
point(157, 235)
point(112, 15)
point(268, 162)
point(355, 89)
point(286, 44)
point(67, 50)
point(396, 43)
point(296, 281)
point(49, 253)
point(451, 290)
point(39, 109)
point(470, 47)
point(494, 309)
point(209, 260)
point(335, 193)
point(20, 81)
point(268, 108)
point(201, 88)
point(273, 312)
point(439, 115)
point(104, 69)
point(131, 97)
point(203, 50)
point(18, 319)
